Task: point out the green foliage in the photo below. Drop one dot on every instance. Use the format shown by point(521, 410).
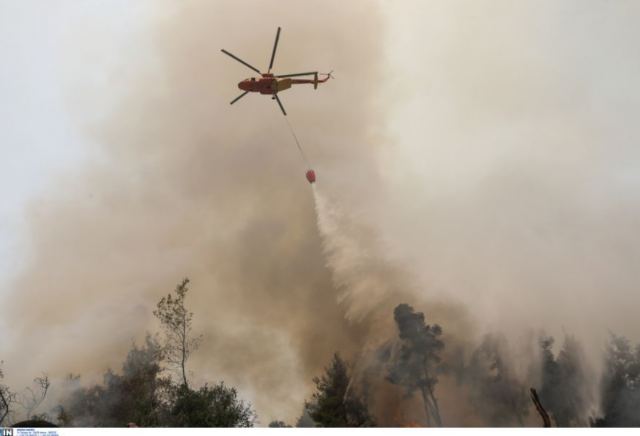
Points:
point(134, 396)
point(332, 404)
point(419, 351)
point(278, 424)
point(621, 385)
point(210, 406)
point(415, 363)
point(142, 396)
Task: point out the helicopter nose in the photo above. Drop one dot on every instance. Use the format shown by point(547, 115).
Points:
point(243, 85)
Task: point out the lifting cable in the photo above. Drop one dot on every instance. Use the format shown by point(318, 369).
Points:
point(293, 133)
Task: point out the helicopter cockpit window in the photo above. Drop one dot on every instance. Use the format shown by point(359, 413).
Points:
point(253, 79)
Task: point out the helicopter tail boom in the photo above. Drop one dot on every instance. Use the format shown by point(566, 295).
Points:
point(313, 81)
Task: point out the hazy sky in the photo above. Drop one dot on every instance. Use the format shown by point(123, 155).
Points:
point(49, 51)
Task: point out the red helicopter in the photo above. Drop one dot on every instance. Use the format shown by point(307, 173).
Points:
point(272, 84)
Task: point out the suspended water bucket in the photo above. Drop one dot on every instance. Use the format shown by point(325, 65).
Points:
point(311, 176)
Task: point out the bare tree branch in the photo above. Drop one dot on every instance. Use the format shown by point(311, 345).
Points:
point(31, 399)
point(5, 401)
point(6, 398)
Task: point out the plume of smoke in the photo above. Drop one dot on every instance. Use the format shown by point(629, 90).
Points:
point(567, 383)
point(620, 400)
point(372, 286)
point(511, 188)
point(540, 210)
point(130, 395)
point(186, 186)
point(496, 393)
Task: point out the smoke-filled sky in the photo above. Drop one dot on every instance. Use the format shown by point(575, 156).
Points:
point(475, 159)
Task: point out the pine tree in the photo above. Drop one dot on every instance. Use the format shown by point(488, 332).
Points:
point(494, 390)
point(332, 404)
point(414, 363)
point(565, 383)
point(620, 397)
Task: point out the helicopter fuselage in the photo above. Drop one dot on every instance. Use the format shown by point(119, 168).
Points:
point(267, 84)
point(270, 84)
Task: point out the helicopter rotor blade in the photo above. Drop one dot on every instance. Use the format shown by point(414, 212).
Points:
point(241, 61)
point(273, 53)
point(298, 74)
point(239, 97)
point(275, 96)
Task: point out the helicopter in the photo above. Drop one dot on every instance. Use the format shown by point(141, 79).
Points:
point(271, 84)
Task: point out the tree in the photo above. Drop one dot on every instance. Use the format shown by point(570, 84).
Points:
point(139, 394)
point(63, 418)
point(210, 406)
point(332, 404)
point(141, 388)
point(565, 383)
point(620, 398)
point(32, 399)
point(6, 399)
point(494, 390)
point(176, 323)
point(278, 424)
point(136, 395)
point(29, 400)
point(414, 362)
point(305, 420)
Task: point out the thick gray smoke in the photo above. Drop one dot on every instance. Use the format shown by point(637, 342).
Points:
point(566, 387)
point(496, 176)
point(513, 188)
point(188, 186)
